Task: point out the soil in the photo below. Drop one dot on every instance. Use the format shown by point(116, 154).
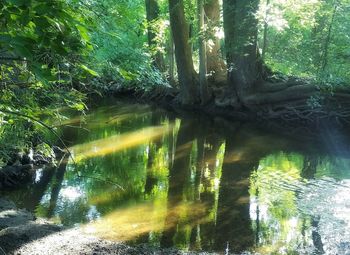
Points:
point(21, 233)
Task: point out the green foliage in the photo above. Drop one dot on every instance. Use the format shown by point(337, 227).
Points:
point(308, 38)
point(41, 47)
point(120, 55)
point(52, 52)
point(43, 34)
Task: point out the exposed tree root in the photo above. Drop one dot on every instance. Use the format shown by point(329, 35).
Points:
point(299, 102)
point(296, 102)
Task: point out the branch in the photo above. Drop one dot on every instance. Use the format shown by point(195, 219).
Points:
point(14, 59)
point(51, 129)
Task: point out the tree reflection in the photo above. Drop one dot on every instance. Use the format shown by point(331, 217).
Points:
point(33, 197)
point(179, 175)
point(193, 187)
point(56, 186)
point(209, 163)
point(196, 185)
point(233, 226)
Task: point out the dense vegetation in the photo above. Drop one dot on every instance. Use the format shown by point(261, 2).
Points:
point(283, 58)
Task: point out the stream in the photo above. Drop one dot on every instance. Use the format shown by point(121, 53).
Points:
point(145, 175)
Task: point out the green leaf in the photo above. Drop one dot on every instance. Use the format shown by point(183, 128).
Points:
point(92, 72)
point(83, 32)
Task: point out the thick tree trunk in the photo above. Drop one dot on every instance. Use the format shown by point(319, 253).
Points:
point(216, 66)
point(183, 53)
point(244, 66)
point(203, 83)
point(152, 13)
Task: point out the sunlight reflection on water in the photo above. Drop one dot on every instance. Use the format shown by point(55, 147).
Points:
point(192, 184)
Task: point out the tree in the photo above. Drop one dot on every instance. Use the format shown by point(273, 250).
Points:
point(203, 83)
point(240, 25)
point(247, 74)
point(183, 53)
point(152, 13)
point(216, 67)
point(171, 60)
point(263, 51)
point(328, 37)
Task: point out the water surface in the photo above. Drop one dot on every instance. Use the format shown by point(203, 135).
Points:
point(143, 175)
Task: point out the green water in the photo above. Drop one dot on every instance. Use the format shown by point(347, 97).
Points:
point(143, 175)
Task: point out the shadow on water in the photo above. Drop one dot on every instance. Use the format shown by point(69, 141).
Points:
point(197, 184)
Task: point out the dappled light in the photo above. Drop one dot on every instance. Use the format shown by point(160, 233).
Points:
point(127, 224)
point(116, 143)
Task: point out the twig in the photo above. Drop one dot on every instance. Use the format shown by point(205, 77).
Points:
point(75, 127)
point(2, 251)
point(14, 59)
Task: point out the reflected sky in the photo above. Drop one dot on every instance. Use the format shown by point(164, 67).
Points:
point(142, 175)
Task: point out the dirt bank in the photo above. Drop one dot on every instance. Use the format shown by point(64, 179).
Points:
point(21, 233)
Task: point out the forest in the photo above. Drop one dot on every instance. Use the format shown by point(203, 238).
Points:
point(284, 60)
point(223, 64)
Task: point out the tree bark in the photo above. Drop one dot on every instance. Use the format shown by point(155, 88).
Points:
point(216, 66)
point(183, 53)
point(152, 13)
point(244, 66)
point(263, 52)
point(203, 83)
point(171, 61)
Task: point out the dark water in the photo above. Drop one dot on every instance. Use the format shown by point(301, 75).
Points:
point(143, 175)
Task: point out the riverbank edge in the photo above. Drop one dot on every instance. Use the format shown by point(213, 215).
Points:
point(22, 233)
point(22, 166)
point(168, 98)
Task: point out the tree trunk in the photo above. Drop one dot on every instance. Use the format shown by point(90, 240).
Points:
point(216, 67)
point(265, 30)
point(152, 13)
point(171, 61)
point(244, 66)
point(203, 83)
point(328, 38)
point(183, 53)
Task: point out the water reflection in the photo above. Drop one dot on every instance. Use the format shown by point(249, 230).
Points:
point(195, 184)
